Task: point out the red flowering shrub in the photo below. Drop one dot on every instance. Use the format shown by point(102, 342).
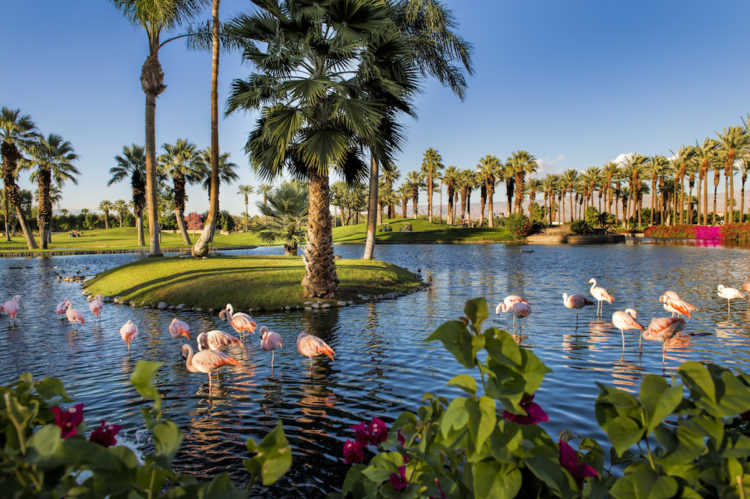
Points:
point(735, 232)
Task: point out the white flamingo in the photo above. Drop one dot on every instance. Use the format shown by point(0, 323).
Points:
point(729, 294)
point(600, 295)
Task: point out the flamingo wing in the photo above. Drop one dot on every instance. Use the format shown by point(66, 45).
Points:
point(312, 345)
point(218, 340)
point(243, 322)
point(209, 360)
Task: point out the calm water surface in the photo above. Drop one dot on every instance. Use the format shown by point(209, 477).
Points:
point(382, 367)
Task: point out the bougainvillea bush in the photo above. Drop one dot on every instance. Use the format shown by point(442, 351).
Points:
point(690, 439)
point(671, 231)
point(736, 232)
point(47, 450)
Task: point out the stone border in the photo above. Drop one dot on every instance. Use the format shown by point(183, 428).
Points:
point(575, 239)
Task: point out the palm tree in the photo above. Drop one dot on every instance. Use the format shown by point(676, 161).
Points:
point(245, 190)
point(450, 179)
point(705, 154)
point(121, 207)
point(743, 169)
point(610, 171)
point(17, 133)
point(53, 158)
point(591, 178)
point(523, 163)
point(535, 186)
point(390, 176)
point(508, 172)
point(415, 181)
point(657, 167)
point(718, 167)
point(404, 192)
point(105, 207)
point(569, 179)
point(181, 162)
point(132, 163)
point(549, 183)
point(265, 189)
point(681, 160)
point(285, 215)
point(227, 173)
point(432, 163)
point(733, 142)
point(155, 16)
point(491, 169)
point(632, 169)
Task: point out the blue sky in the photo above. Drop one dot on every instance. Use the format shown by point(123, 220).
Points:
point(574, 82)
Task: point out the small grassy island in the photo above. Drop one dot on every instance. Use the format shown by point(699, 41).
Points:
point(248, 282)
point(421, 231)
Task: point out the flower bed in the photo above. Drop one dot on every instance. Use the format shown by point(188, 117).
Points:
point(735, 232)
point(686, 231)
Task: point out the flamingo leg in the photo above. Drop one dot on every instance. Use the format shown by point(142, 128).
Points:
point(623, 339)
point(272, 354)
point(640, 339)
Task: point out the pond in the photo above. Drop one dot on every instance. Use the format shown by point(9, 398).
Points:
point(382, 367)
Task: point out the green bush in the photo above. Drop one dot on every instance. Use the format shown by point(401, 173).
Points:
point(581, 227)
point(518, 225)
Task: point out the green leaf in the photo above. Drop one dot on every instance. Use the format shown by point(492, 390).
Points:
point(455, 416)
point(623, 432)
point(382, 465)
point(51, 388)
point(477, 312)
point(20, 416)
point(273, 456)
point(354, 482)
point(495, 480)
point(658, 399)
point(45, 448)
point(465, 382)
point(457, 340)
point(482, 419)
point(506, 441)
point(167, 439)
point(548, 470)
point(142, 380)
point(698, 380)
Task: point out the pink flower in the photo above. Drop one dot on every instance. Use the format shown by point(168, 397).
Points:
point(353, 452)
point(69, 420)
point(361, 434)
point(378, 431)
point(400, 437)
point(398, 480)
point(534, 412)
point(569, 461)
point(105, 434)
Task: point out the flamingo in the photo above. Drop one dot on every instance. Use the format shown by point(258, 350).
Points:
point(663, 329)
point(242, 323)
point(11, 306)
point(271, 341)
point(519, 310)
point(177, 329)
point(73, 315)
point(600, 294)
point(205, 361)
point(625, 321)
point(575, 301)
point(728, 293)
point(60, 309)
point(746, 288)
point(674, 305)
point(129, 332)
point(216, 340)
point(508, 302)
point(310, 346)
point(95, 306)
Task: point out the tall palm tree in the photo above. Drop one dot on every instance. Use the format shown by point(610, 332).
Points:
point(705, 154)
point(524, 163)
point(682, 159)
point(743, 169)
point(633, 167)
point(549, 183)
point(718, 168)
point(245, 190)
point(733, 142)
point(132, 163)
point(535, 186)
point(265, 190)
point(491, 168)
point(17, 133)
point(404, 192)
point(53, 158)
point(569, 179)
point(106, 206)
point(450, 179)
point(591, 178)
point(285, 215)
point(432, 163)
point(390, 176)
point(121, 207)
point(155, 16)
point(415, 181)
point(509, 173)
point(610, 171)
point(180, 161)
point(657, 167)
point(227, 173)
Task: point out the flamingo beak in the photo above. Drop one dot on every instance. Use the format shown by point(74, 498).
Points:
point(186, 335)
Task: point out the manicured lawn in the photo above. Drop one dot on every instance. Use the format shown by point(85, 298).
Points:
point(422, 231)
point(125, 238)
point(268, 282)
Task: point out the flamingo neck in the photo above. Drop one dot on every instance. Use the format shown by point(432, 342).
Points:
point(230, 313)
point(189, 361)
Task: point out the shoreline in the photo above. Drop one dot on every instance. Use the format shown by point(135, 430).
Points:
point(73, 252)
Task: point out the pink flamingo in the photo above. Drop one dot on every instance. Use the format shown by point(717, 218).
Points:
point(728, 294)
point(519, 309)
point(11, 307)
point(95, 306)
point(508, 302)
point(625, 321)
point(205, 361)
point(575, 301)
point(60, 309)
point(663, 329)
point(674, 305)
point(216, 340)
point(746, 288)
point(311, 346)
point(73, 315)
point(271, 341)
point(128, 332)
point(177, 329)
point(601, 295)
point(242, 323)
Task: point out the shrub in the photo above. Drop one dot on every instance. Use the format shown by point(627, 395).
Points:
point(735, 232)
point(671, 231)
point(488, 442)
point(582, 227)
point(518, 225)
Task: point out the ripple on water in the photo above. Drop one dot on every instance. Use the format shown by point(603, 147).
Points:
point(382, 367)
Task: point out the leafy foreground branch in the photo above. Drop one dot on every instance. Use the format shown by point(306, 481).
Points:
point(488, 443)
point(44, 452)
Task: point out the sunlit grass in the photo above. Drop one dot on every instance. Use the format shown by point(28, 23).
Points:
point(422, 231)
point(269, 282)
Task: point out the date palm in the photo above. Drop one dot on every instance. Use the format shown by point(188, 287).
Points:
point(591, 178)
point(121, 207)
point(633, 169)
point(155, 16)
point(404, 192)
point(105, 207)
point(743, 169)
point(610, 171)
point(508, 172)
point(180, 161)
point(569, 178)
point(227, 173)
point(432, 163)
point(246, 190)
point(535, 186)
point(51, 158)
point(450, 179)
point(657, 167)
point(132, 164)
point(491, 169)
point(17, 134)
point(705, 154)
point(549, 183)
point(415, 181)
point(285, 216)
point(390, 176)
point(682, 160)
point(718, 168)
point(733, 141)
point(524, 163)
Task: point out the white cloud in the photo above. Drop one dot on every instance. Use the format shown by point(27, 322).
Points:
point(547, 165)
point(622, 158)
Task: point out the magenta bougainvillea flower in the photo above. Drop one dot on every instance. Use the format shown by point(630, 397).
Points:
point(361, 434)
point(398, 480)
point(353, 452)
point(534, 412)
point(569, 461)
point(105, 434)
point(400, 437)
point(68, 420)
point(378, 431)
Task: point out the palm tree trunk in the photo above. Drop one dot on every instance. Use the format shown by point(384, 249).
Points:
point(571, 204)
point(716, 194)
point(726, 196)
point(139, 226)
point(731, 194)
point(429, 197)
point(414, 202)
point(179, 215)
point(30, 241)
point(403, 207)
point(653, 199)
point(372, 206)
point(7, 217)
point(207, 236)
point(320, 279)
point(481, 211)
point(106, 220)
point(152, 82)
point(742, 198)
point(450, 207)
point(491, 207)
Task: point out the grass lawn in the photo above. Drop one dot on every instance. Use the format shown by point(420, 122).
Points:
point(125, 238)
point(268, 282)
point(422, 232)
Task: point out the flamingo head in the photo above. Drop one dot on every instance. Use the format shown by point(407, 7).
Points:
point(185, 350)
point(720, 288)
point(67, 303)
point(223, 315)
point(592, 281)
point(565, 297)
point(202, 341)
point(99, 298)
point(632, 313)
point(16, 298)
point(500, 308)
